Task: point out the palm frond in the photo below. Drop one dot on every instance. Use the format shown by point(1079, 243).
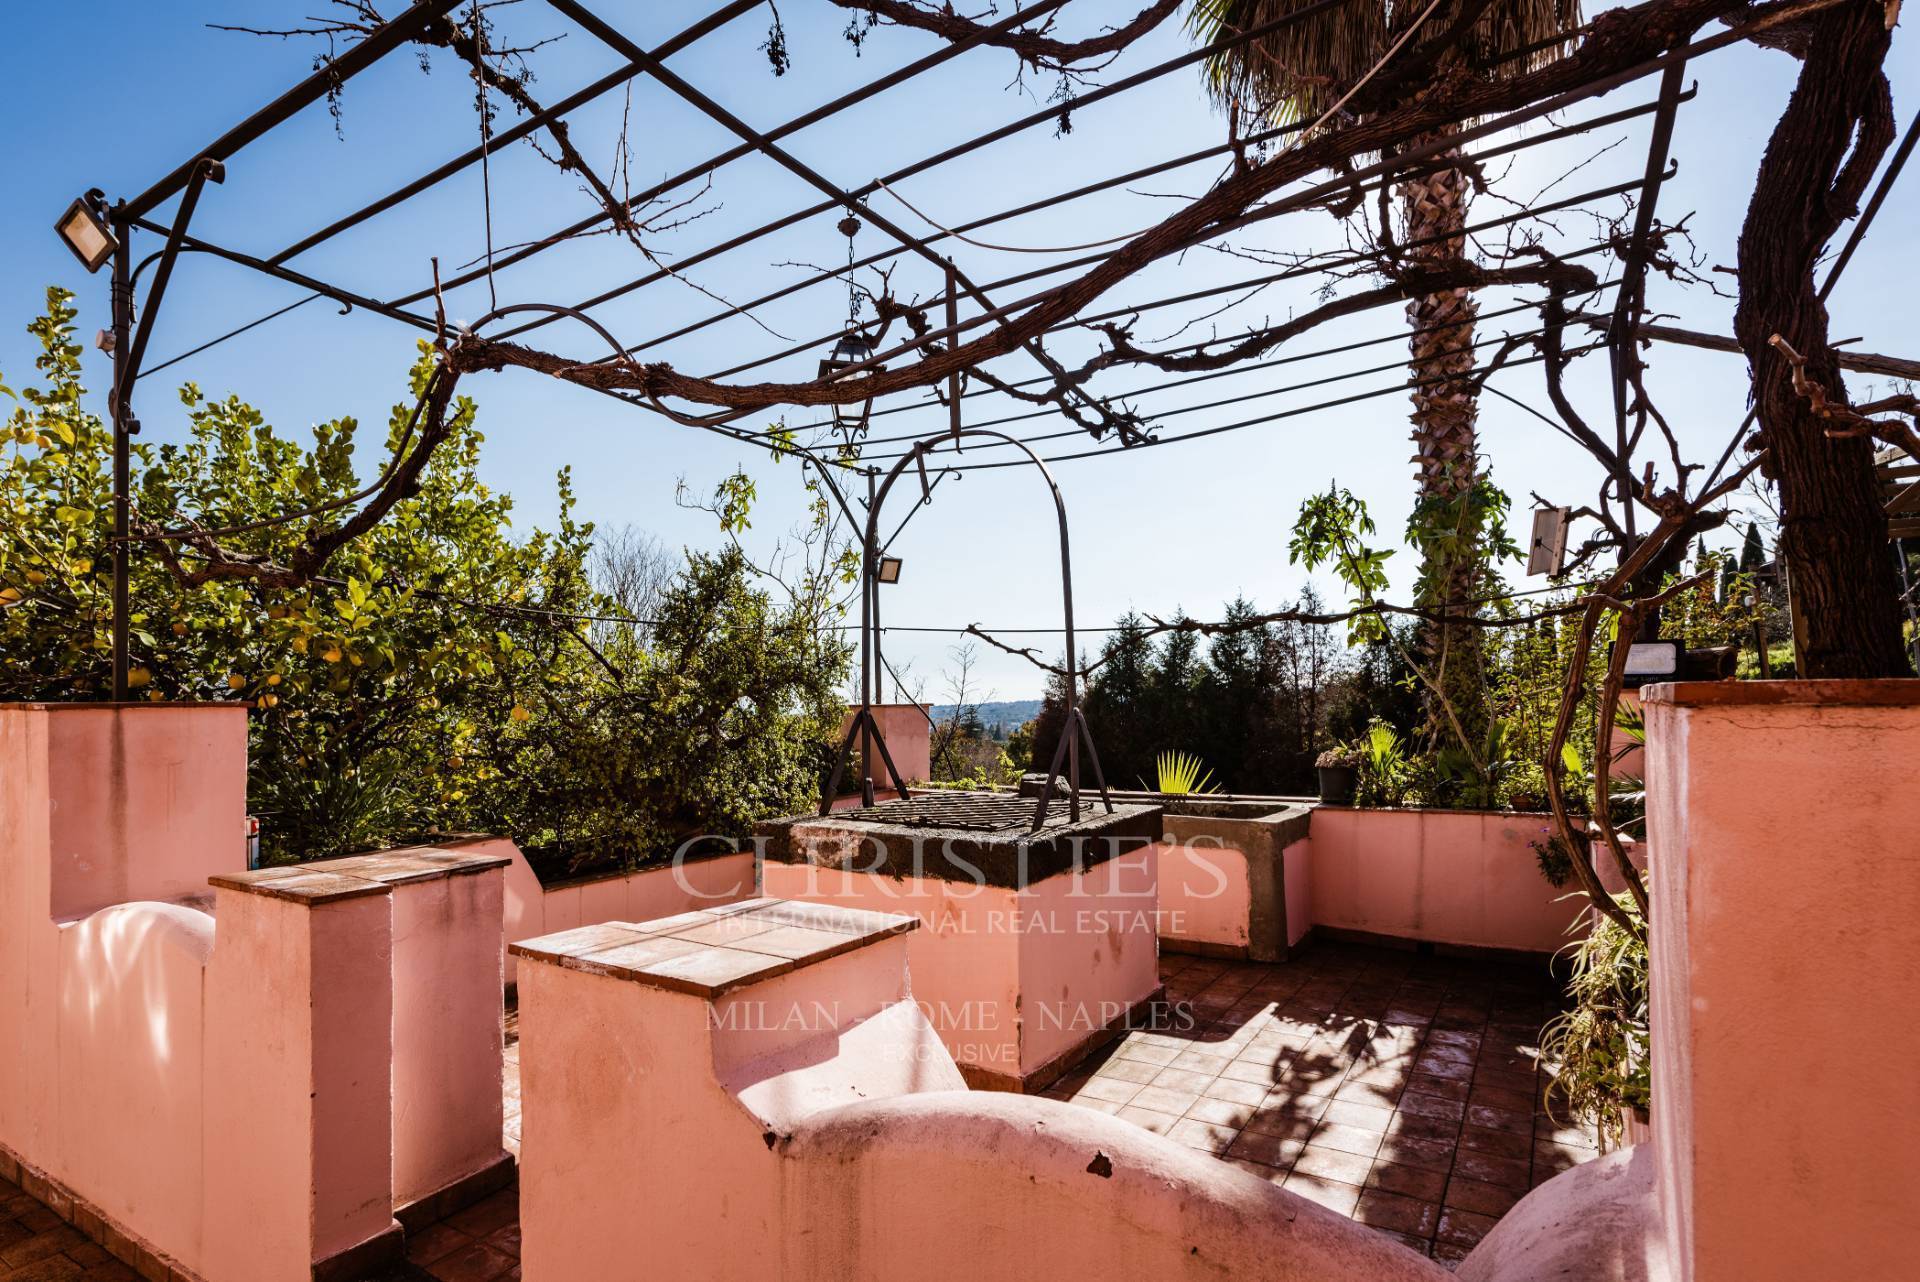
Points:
point(1180, 775)
point(1297, 71)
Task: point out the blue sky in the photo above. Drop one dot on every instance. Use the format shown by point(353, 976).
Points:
point(115, 94)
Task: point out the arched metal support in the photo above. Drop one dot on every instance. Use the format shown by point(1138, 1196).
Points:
point(1074, 735)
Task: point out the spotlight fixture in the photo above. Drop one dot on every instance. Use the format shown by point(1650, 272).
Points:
point(889, 571)
point(1650, 661)
point(86, 233)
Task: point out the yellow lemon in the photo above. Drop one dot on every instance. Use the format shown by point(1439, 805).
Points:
point(138, 677)
point(273, 678)
point(519, 713)
point(236, 682)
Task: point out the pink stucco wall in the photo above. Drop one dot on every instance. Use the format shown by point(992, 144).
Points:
point(1783, 822)
point(908, 735)
point(1010, 979)
point(222, 1096)
point(847, 1151)
point(1204, 895)
point(1450, 876)
point(238, 1080)
point(1297, 871)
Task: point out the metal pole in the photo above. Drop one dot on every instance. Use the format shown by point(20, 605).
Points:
point(869, 648)
point(953, 379)
point(124, 428)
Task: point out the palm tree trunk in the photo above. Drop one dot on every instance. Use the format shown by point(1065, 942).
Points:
point(1446, 446)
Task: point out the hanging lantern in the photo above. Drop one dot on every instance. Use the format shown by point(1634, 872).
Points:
point(850, 413)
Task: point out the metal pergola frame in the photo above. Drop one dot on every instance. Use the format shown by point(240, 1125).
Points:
point(187, 179)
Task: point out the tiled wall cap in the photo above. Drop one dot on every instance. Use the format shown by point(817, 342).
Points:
point(416, 863)
point(709, 952)
point(330, 879)
point(299, 884)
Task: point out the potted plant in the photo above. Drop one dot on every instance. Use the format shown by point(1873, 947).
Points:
point(1338, 767)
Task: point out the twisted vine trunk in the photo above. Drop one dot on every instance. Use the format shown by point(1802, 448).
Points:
point(1446, 445)
point(1823, 152)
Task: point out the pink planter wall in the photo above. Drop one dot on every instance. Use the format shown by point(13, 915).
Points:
point(1465, 878)
point(531, 909)
point(1012, 980)
point(1204, 898)
point(1786, 894)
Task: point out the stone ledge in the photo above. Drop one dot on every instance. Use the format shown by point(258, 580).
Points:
point(710, 952)
point(329, 880)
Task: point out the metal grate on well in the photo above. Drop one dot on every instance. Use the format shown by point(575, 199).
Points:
point(970, 811)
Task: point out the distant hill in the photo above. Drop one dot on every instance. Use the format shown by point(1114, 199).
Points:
point(1008, 714)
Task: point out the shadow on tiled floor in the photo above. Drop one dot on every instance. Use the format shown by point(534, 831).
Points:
point(1398, 1088)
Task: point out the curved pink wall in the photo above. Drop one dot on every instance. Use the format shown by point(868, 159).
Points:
point(1039, 1189)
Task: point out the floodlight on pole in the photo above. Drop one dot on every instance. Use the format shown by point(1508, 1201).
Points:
point(889, 571)
point(84, 230)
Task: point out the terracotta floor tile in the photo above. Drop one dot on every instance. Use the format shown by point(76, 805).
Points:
point(1366, 1117)
point(1408, 1181)
point(1505, 1172)
point(1413, 1126)
point(476, 1263)
point(1268, 1150)
point(434, 1242)
point(1427, 1155)
point(1332, 1194)
point(1111, 1089)
point(1396, 1211)
point(1140, 1073)
point(493, 1212)
point(1486, 1117)
point(1182, 1079)
point(1206, 1136)
point(1333, 1164)
point(1239, 1092)
point(1432, 1106)
point(1137, 1049)
point(1462, 1228)
point(1481, 1198)
point(1221, 1112)
point(1163, 1099)
point(1448, 1088)
point(1158, 1123)
point(1348, 1139)
point(1498, 1143)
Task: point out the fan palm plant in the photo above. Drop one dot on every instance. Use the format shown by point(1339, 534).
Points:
point(1297, 72)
